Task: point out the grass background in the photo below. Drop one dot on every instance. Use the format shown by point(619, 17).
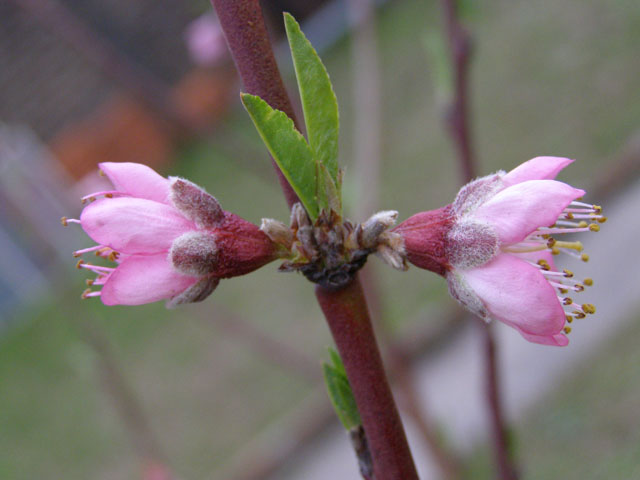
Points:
point(548, 78)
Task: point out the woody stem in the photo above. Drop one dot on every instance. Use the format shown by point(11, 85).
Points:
point(345, 309)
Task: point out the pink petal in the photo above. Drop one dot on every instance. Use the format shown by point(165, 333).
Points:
point(517, 211)
point(557, 340)
point(517, 294)
point(137, 180)
point(144, 279)
point(539, 168)
point(133, 225)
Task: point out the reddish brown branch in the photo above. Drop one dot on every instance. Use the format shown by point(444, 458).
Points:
point(459, 127)
point(246, 33)
point(346, 309)
point(350, 325)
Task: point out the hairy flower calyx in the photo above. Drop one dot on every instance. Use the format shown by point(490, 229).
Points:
point(331, 250)
point(496, 243)
point(169, 239)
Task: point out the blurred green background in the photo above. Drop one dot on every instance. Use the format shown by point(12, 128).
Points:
point(558, 78)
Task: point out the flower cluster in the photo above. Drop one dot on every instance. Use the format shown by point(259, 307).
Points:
point(495, 246)
point(168, 237)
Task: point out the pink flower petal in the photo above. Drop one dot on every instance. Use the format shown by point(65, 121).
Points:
point(137, 180)
point(517, 211)
point(517, 294)
point(557, 340)
point(144, 279)
point(539, 168)
point(133, 225)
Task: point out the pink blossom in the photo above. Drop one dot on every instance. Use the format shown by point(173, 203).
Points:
point(495, 246)
point(169, 238)
point(205, 40)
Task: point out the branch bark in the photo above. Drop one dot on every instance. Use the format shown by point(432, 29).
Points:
point(348, 318)
point(346, 309)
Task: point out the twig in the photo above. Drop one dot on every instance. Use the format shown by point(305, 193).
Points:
point(458, 123)
point(246, 35)
point(350, 325)
point(346, 309)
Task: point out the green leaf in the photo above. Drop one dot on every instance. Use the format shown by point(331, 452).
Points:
point(319, 102)
point(288, 148)
point(340, 392)
point(328, 193)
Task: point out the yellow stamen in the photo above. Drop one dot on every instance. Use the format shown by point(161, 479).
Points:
point(579, 314)
point(101, 173)
point(571, 245)
point(569, 216)
point(80, 262)
point(594, 227)
point(567, 301)
point(555, 251)
point(584, 257)
point(602, 219)
point(108, 195)
point(582, 224)
point(85, 293)
point(564, 291)
point(89, 281)
point(568, 273)
point(588, 282)
point(63, 221)
point(569, 318)
point(597, 208)
point(532, 248)
point(567, 330)
point(551, 242)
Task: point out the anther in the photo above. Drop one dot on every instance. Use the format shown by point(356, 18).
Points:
point(80, 262)
point(568, 273)
point(602, 219)
point(564, 291)
point(579, 314)
point(569, 318)
point(89, 281)
point(101, 173)
point(63, 221)
point(569, 216)
point(555, 251)
point(108, 195)
point(588, 282)
point(551, 242)
point(567, 330)
point(582, 224)
point(579, 287)
point(85, 294)
point(567, 301)
point(584, 257)
point(594, 227)
point(597, 208)
point(113, 256)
